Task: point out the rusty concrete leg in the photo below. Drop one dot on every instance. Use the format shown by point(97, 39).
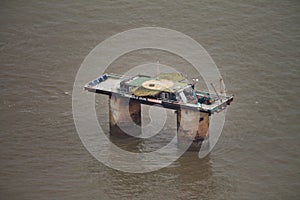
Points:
point(192, 126)
point(124, 116)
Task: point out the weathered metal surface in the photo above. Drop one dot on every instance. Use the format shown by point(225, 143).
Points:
point(132, 88)
point(192, 127)
point(123, 114)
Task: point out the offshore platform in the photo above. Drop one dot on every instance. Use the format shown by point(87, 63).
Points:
point(170, 90)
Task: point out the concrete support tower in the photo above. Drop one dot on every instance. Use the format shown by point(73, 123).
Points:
point(192, 126)
point(122, 113)
point(125, 117)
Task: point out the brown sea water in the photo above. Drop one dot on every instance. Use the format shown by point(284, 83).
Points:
point(256, 46)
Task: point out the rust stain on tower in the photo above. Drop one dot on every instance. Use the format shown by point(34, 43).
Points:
point(122, 112)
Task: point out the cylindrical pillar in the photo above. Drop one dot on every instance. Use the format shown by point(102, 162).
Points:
point(124, 116)
point(192, 127)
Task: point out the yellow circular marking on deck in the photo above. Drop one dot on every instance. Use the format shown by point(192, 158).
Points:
point(160, 84)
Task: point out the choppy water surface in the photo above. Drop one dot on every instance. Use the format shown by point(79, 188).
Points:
point(256, 47)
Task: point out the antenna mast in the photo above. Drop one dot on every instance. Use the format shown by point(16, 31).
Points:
point(216, 91)
point(157, 69)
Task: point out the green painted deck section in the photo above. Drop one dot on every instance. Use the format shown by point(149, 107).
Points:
point(137, 82)
point(142, 92)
